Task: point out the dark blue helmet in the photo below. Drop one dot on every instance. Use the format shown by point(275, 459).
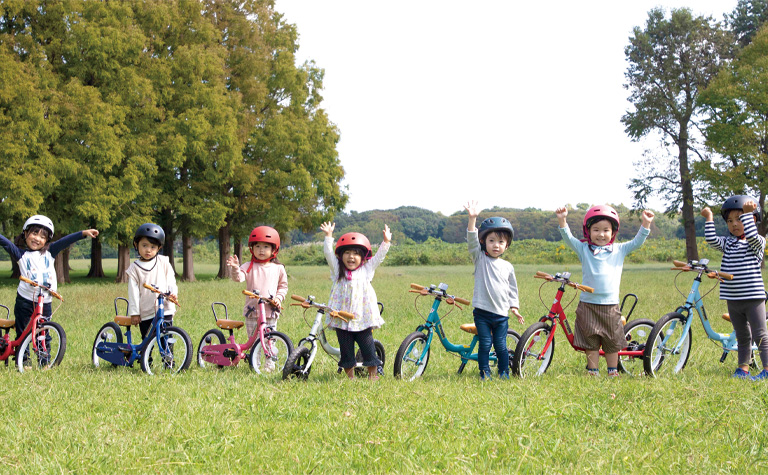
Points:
point(149, 230)
point(496, 223)
point(737, 202)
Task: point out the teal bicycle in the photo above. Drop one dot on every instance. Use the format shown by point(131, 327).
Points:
point(670, 340)
point(413, 355)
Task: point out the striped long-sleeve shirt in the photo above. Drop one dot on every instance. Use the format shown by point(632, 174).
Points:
point(742, 258)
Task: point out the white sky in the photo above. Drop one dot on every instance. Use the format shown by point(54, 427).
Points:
point(513, 104)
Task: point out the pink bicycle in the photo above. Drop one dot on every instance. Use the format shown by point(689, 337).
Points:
point(269, 348)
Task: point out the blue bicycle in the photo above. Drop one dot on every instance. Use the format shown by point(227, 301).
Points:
point(669, 343)
point(165, 349)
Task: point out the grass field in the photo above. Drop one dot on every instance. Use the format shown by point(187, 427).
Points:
point(75, 419)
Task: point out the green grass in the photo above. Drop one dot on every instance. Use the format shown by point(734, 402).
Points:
point(75, 419)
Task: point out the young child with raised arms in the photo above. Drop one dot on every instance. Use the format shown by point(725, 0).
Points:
point(352, 270)
point(150, 268)
point(34, 252)
point(495, 290)
point(598, 317)
point(264, 273)
point(743, 253)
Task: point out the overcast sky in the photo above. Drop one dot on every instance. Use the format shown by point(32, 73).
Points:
point(509, 103)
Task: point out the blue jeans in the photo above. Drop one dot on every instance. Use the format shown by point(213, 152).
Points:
point(491, 328)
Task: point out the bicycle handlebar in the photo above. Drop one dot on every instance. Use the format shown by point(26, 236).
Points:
point(449, 299)
point(35, 284)
point(698, 266)
point(559, 278)
point(255, 295)
point(308, 302)
point(167, 295)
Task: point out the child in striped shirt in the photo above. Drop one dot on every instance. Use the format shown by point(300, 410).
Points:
point(745, 294)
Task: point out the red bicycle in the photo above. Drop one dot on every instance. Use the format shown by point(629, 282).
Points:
point(42, 343)
point(536, 346)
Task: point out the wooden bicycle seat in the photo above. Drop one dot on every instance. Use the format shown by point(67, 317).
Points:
point(123, 321)
point(7, 323)
point(727, 317)
point(229, 324)
point(623, 320)
point(469, 328)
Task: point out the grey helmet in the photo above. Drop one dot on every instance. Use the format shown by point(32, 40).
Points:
point(149, 230)
point(737, 202)
point(497, 223)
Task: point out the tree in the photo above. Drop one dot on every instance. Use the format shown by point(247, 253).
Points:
point(670, 62)
point(737, 100)
point(746, 19)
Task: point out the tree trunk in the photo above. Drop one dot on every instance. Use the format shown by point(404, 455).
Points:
point(61, 264)
point(170, 237)
point(188, 270)
point(123, 261)
point(15, 271)
point(224, 248)
point(97, 269)
point(689, 224)
point(238, 249)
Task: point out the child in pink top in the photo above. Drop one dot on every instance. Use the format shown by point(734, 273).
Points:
point(263, 273)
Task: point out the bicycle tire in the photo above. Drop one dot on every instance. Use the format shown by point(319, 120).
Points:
point(107, 330)
point(636, 333)
point(657, 358)
point(408, 354)
point(527, 359)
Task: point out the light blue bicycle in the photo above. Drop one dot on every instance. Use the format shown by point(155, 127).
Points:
point(670, 340)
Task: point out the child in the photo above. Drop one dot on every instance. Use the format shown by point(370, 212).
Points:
point(34, 252)
point(352, 270)
point(495, 293)
point(150, 268)
point(745, 294)
point(598, 318)
point(264, 273)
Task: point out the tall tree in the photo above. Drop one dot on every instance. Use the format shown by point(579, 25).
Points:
point(671, 61)
point(737, 129)
point(746, 19)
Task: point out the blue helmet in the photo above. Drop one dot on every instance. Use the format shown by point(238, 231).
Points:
point(496, 223)
point(737, 202)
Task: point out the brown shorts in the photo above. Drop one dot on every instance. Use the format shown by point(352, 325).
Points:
point(599, 326)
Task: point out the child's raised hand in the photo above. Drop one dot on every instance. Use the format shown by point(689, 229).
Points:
point(233, 261)
point(91, 233)
point(387, 234)
point(749, 206)
point(647, 217)
point(561, 212)
point(707, 213)
point(520, 318)
point(328, 227)
point(472, 208)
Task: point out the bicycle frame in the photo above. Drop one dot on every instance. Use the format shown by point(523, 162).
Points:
point(36, 318)
point(317, 333)
point(231, 353)
point(125, 354)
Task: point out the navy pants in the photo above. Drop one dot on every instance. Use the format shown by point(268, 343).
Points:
point(491, 329)
point(364, 340)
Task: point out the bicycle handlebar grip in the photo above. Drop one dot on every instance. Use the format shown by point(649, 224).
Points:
point(585, 288)
point(461, 300)
point(298, 298)
point(251, 294)
point(24, 279)
point(417, 286)
point(724, 275)
point(346, 314)
point(542, 275)
point(57, 295)
point(147, 286)
point(680, 264)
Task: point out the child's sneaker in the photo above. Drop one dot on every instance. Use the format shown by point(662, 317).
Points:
point(504, 375)
point(741, 374)
point(485, 376)
point(613, 372)
point(761, 375)
point(594, 372)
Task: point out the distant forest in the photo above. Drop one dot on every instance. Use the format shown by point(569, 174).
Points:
point(413, 224)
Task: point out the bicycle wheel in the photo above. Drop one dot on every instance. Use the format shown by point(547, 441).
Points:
point(528, 359)
point(281, 347)
point(173, 356)
point(407, 364)
point(211, 337)
point(667, 333)
point(636, 333)
point(360, 370)
point(296, 365)
point(109, 333)
point(51, 345)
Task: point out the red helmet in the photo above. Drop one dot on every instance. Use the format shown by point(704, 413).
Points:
point(265, 234)
point(599, 213)
point(354, 240)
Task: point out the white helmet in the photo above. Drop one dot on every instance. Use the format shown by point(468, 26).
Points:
point(40, 220)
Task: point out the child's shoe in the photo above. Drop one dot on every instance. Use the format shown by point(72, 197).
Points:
point(594, 372)
point(504, 375)
point(741, 374)
point(613, 372)
point(761, 375)
point(484, 376)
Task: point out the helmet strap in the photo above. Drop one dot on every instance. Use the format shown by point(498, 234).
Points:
point(259, 261)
